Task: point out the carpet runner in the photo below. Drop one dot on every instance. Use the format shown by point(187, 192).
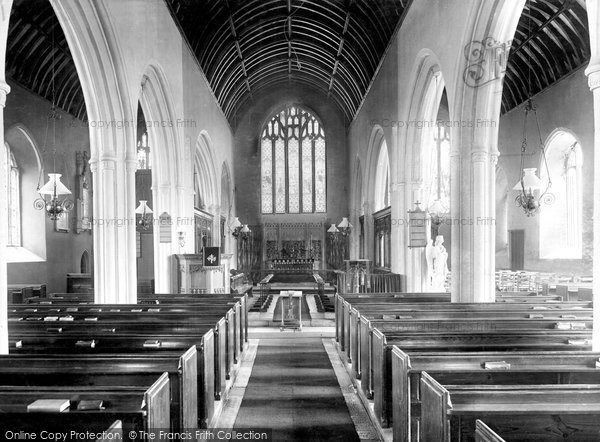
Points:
point(294, 390)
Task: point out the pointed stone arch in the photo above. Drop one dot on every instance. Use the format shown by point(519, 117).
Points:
point(165, 147)
point(101, 68)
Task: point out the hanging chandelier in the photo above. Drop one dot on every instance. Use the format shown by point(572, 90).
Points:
point(531, 190)
point(53, 194)
point(53, 197)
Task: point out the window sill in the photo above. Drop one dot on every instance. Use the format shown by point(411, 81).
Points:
point(21, 254)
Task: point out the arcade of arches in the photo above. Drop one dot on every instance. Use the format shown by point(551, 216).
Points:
point(301, 139)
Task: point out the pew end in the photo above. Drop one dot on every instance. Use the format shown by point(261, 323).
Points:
point(189, 391)
point(401, 422)
point(483, 433)
point(114, 432)
point(435, 403)
point(157, 401)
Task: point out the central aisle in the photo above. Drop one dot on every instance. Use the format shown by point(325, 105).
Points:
point(294, 390)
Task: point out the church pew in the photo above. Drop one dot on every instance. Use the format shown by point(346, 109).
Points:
point(378, 370)
point(390, 305)
point(187, 314)
point(346, 325)
point(222, 362)
point(529, 298)
point(239, 304)
point(387, 300)
point(470, 368)
point(113, 370)
point(138, 408)
point(210, 364)
point(361, 326)
point(518, 412)
point(483, 433)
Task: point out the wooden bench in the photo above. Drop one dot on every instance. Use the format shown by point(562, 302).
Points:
point(378, 381)
point(235, 331)
point(344, 309)
point(215, 357)
point(519, 412)
point(473, 368)
point(361, 329)
point(350, 325)
point(114, 370)
point(213, 354)
point(138, 408)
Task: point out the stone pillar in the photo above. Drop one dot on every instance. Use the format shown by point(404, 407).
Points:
point(115, 276)
point(593, 73)
point(481, 230)
point(163, 251)
point(4, 90)
point(473, 225)
point(399, 228)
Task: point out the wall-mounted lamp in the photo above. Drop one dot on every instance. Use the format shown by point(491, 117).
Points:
point(239, 230)
point(344, 226)
point(333, 230)
point(145, 213)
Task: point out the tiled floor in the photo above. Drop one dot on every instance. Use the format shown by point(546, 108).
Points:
point(294, 390)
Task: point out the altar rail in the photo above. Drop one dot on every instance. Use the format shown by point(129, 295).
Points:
point(255, 275)
point(350, 282)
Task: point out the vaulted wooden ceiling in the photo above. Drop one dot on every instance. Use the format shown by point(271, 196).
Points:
point(247, 46)
point(334, 46)
point(38, 56)
point(552, 40)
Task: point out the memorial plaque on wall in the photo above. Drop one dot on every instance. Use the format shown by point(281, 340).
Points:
point(165, 227)
point(212, 256)
point(417, 228)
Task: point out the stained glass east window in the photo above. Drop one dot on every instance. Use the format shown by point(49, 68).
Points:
point(293, 163)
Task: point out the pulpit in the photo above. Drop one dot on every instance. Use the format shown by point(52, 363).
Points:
point(191, 276)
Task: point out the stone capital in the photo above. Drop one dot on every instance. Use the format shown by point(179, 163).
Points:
point(398, 187)
point(593, 73)
point(131, 165)
point(4, 91)
point(106, 163)
point(480, 156)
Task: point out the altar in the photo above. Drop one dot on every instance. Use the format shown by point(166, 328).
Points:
point(297, 247)
point(292, 264)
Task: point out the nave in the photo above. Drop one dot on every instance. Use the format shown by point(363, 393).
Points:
point(381, 214)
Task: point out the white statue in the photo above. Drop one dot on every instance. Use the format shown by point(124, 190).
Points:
point(429, 258)
point(440, 265)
